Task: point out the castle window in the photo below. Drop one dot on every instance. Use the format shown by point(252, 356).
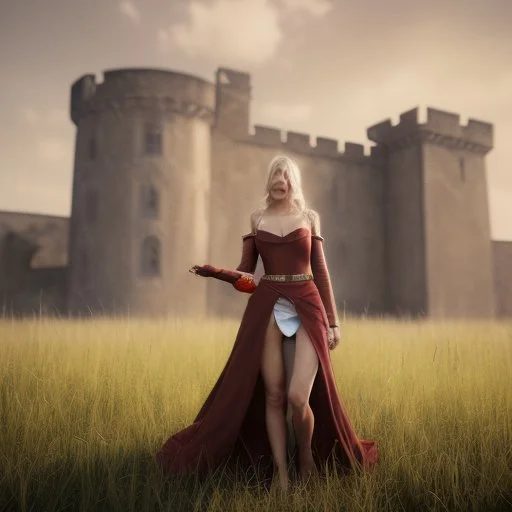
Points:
point(153, 139)
point(92, 149)
point(151, 257)
point(462, 169)
point(91, 206)
point(150, 201)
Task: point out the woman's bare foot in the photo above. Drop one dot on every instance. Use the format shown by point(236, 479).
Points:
point(307, 467)
point(283, 481)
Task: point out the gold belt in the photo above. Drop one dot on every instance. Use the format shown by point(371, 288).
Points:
point(287, 278)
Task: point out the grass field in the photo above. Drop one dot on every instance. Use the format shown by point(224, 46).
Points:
point(84, 406)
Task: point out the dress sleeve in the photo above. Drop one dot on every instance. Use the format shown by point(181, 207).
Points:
point(249, 255)
point(249, 250)
point(322, 279)
point(321, 273)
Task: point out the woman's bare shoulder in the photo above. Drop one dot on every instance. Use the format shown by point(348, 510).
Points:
point(256, 216)
point(314, 219)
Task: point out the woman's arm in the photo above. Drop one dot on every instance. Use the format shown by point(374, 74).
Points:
point(320, 271)
point(249, 252)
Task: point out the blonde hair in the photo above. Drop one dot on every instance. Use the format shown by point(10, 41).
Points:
point(285, 163)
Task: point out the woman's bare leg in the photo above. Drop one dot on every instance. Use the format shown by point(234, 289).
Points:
point(305, 367)
point(272, 370)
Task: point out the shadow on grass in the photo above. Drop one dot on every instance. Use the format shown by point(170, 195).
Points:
point(128, 482)
point(132, 481)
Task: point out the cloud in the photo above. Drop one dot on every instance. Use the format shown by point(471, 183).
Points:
point(232, 32)
point(316, 8)
point(130, 10)
point(237, 32)
point(283, 115)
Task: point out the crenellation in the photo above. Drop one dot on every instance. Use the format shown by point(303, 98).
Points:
point(233, 79)
point(302, 143)
point(409, 118)
point(143, 88)
point(380, 132)
point(401, 248)
point(298, 141)
point(267, 135)
point(326, 146)
point(440, 127)
point(443, 122)
point(354, 150)
point(479, 131)
point(82, 92)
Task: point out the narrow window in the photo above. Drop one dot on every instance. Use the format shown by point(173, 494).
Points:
point(151, 252)
point(462, 169)
point(153, 139)
point(150, 201)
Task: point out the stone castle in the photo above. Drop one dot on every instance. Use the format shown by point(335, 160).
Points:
point(167, 173)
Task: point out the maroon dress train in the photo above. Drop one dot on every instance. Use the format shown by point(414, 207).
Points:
point(231, 422)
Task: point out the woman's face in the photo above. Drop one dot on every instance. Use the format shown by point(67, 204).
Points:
point(280, 187)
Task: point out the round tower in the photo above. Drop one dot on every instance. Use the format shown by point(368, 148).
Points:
point(141, 184)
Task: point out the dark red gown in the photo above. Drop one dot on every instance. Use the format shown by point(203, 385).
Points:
point(231, 422)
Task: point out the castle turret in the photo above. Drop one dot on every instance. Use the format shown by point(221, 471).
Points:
point(438, 248)
point(232, 102)
point(140, 192)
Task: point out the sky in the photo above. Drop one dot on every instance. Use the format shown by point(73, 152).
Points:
point(330, 68)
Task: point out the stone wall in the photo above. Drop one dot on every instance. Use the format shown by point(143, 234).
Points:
point(502, 256)
point(441, 203)
point(108, 248)
point(344, 187)
point(49, 232)
point(406, 225)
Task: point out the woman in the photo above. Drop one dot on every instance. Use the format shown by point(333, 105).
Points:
point(244, 415)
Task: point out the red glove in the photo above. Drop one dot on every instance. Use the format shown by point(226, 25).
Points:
point(241, 282)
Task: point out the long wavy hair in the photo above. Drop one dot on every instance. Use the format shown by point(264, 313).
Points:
point(285, 163)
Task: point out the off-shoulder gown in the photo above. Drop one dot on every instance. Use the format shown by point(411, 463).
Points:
point(231, 422)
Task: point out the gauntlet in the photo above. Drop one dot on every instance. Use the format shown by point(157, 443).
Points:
point(241, 282)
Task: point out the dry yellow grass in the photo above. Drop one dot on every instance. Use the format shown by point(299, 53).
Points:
point(84, 406)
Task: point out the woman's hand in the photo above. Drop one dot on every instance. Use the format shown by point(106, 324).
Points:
point(203, 270)
point(333, 337)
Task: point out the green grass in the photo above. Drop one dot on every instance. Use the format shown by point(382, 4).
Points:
point(84, 406)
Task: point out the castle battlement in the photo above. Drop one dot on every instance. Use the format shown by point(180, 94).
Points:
point(440, 128)
point(302, 143)
point(140, 88)
point(233, 79)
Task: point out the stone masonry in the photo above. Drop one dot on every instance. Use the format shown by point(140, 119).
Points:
point(167, 172)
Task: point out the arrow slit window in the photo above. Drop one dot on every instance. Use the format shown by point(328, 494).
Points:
point(150, 201)
point(153, 137)
point(151, 257)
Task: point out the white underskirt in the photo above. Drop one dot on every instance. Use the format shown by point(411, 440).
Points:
point(286, 317)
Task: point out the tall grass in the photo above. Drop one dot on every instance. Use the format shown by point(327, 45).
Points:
point(85, 405)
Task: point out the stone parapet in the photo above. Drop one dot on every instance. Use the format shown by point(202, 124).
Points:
point(143, 89)
point(441, 128)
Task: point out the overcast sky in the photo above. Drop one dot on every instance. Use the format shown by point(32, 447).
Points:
point(329, 68)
